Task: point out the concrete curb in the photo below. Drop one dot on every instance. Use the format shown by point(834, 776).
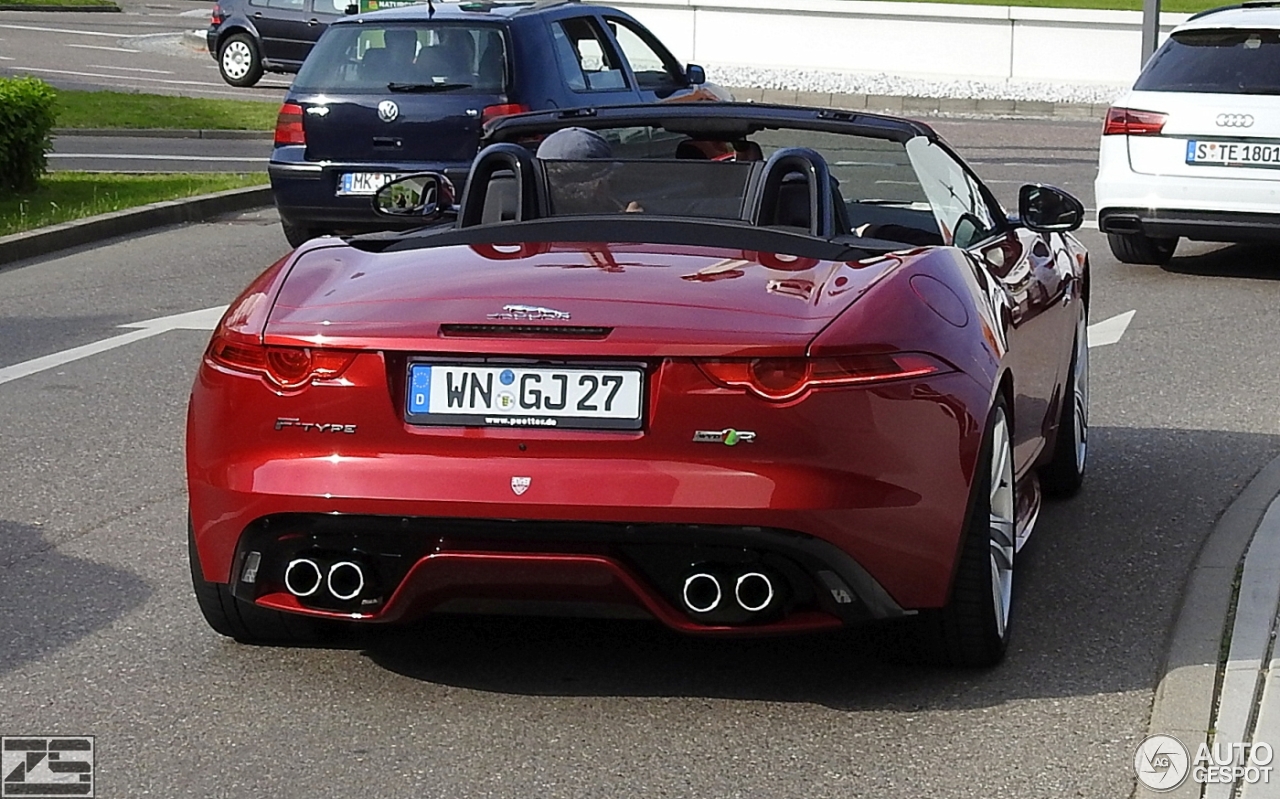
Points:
point(166, 133)
point(43, 241)
point(909, 106)
point(1184, 699)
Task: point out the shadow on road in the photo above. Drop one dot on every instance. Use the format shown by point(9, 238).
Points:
point(1254, 260)
point(1097, 590)
point(51, 600)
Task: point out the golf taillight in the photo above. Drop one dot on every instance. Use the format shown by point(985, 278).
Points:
point(284, 367)
point(215, 18)
point(1128, 122)
point(502, 110)
point(289, 125)
point(781, 379)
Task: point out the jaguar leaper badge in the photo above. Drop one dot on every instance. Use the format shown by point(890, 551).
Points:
point(520, 484)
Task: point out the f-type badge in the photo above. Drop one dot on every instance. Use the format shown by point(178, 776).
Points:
point(529, 312)
point(729, 437)
point(520, 484)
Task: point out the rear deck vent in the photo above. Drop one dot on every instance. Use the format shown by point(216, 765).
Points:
point(525, 331)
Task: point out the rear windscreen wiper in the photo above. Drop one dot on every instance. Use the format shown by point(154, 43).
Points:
point(426, 87)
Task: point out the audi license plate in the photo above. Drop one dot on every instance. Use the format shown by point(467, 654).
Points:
point(497, 395)
point(1230, 153)
point(363, 183)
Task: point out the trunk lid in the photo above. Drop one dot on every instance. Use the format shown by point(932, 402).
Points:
point(1210, 121)
point(620, 299)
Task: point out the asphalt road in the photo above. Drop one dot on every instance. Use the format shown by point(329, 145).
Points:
point(102, 636)
point(140, 50)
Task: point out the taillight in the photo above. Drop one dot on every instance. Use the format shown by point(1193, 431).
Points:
point(215, 19)
point(289, 125)
point(505, 109)
point(285, 367)
point(781, 379)
point(1128, 122)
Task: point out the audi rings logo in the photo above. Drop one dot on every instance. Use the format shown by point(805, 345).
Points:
point(388, 111)
point(1234, 120)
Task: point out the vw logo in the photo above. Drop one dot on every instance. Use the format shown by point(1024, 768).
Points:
point(388, 111)
point(1234, 120)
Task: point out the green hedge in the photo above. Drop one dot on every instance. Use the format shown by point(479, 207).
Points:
point(26, 118)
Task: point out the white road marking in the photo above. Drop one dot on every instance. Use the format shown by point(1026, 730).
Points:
point(60, 30)
point(100, 47)
point(205, 319)
point(1109, 331)
point(149, 157)
point(132, 69)
point(5, 58)
point(117, 77)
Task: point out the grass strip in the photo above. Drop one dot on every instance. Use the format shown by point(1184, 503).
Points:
point(80, 109)
point(65, 3)
point(64, 196)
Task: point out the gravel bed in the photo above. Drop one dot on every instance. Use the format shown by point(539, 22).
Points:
point(808, 80)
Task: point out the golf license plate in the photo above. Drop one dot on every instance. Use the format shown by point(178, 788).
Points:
point(1230, 153)
point(363, 183)
point(498, 395)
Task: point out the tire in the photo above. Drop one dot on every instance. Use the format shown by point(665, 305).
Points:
point(297, 235)
point(1137, 248)
point(243, 621)
point(1063, 475)
point(239, 60)
point(972, 630)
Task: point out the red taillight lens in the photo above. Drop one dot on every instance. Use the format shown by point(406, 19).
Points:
point(215, 18)
point(284, 367)
point(289, 125)
point(1128, 122)
point(505, 109)
point(781, 379)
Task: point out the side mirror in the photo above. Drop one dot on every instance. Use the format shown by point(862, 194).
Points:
point(353, 8)
point(425, 196)
point(695, 74)
point(1046, 209)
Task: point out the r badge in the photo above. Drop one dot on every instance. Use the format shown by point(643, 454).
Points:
point(729, 437)
point(520, 484)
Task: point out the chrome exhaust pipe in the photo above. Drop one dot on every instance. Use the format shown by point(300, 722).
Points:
point(346, 580)
point(754, 592)
point(303, 577)
point(702, 592)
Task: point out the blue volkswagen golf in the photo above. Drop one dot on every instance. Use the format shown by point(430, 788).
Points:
point(408, 89)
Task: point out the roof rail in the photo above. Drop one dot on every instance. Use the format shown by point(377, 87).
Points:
point(1234, 6)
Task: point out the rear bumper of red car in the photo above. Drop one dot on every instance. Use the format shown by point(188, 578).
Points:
point(863, 523)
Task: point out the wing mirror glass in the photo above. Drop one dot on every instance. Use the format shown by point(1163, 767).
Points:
point(424, 196)
point(1046, 209)
point(696, 75)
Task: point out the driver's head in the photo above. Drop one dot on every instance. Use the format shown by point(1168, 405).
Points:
point(574, 144)
point(401, 43)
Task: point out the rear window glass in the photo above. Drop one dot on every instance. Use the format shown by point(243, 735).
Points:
point(351, 59)
point(707, 189)
point(1216, 61)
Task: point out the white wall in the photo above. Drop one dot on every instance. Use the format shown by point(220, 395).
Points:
point(902, 38)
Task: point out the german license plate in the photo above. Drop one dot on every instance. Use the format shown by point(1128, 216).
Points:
point(497, 395)
point(363, 183)
point(1230, 153)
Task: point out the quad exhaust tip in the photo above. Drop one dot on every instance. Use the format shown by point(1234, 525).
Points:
point(303, 577)
point(754, 592)
point(346, 580)
point(702, 592)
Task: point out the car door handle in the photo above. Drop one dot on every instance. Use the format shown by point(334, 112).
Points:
point(257, 15)
point(387, 141)
point(313, 22)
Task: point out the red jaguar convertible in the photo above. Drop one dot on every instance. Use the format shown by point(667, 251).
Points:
point(741, 369)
